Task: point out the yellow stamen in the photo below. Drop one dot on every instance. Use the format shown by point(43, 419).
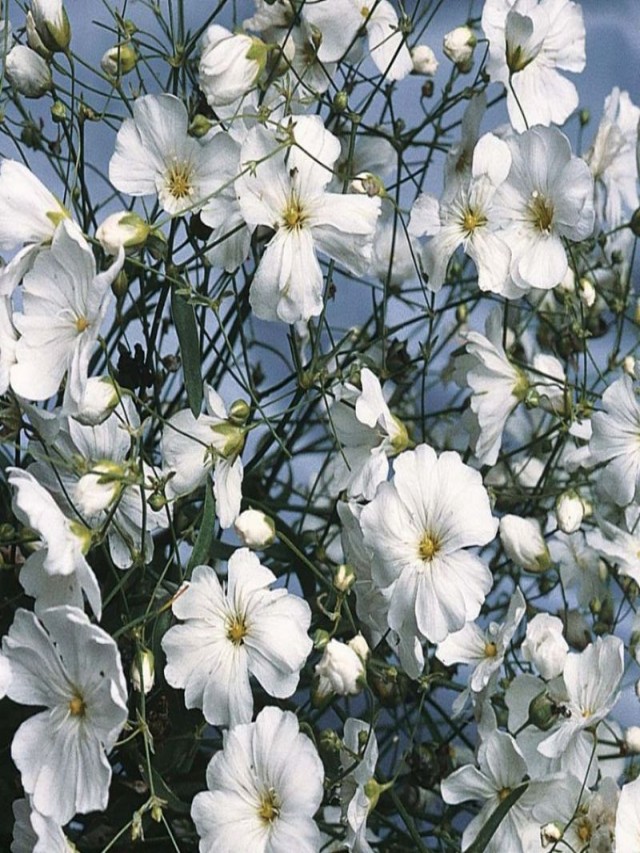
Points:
point(541, 212)
point(503, 794)
point(269, 806)
point(179, 180)
point(472, 219)
point(293, 215)
point(490, 650)
point(77, 707)
point(81, 324)
point(236, 630)
point(429, 546)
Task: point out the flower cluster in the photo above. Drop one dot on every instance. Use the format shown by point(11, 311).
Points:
point(320, 486)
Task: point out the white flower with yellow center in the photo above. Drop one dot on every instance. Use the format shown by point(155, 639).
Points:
point(72, 669)
point(29, 217)
point(419, 527)
point(546, 198)
point(284, 187)
point(467, 219)
point(156, 156)
point(265, 786)
point(232, 632)
point(64, 303)
point(528, 41)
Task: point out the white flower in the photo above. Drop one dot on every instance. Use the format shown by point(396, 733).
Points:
point(387, 47)
point(368, 434)
point(75, 468)
point(618, 546)
point(64, 303)
point(234, 632)
point(569, 511)
point(496, 385)
point(424, 60)
point(57, 573)
point(579, 565)
point(485, 650)
point(154, 155)
point(615, 441)
point(255, 529)
point(591, 679)
point(288, 194)
point(612, 159)
point(548, 378)
point(267, 779)
point(124, 230)
point(467, 219)
point(340, 671)
point(230, 64)
point(29, 216)
point(545, 646)
point(628, 819)
point(359, 745)
point(191, 447)
point(418, 528)
point(547, 196)
point(100, 396)
point(459, 45)
point(71, 668)
point(35, 833)
point(502, 768)
point(523, 543)
point(27, 72)
point(528, 41)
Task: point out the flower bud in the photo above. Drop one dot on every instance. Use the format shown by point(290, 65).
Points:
point(576, 629)
point(51, 24)
point(544, 645)
point(119, 60)
point(100, 398)
point(143, 671)
point(632, 739)
point(359, 645)
point(239, 412)
point(629, 366)
point(230, 65)
point(550, 833)
point(523, 543)
point(255, 529)
point(344, 578)
point(340, 671)
point(569, 511)
point(587, 293)
point(340, 101)
point(98, 489)
point(543, 712)
point(125, 229)
point(28, 72)
point(424, 60)
point(366, 183)
point(459, 45)
point(200, 126)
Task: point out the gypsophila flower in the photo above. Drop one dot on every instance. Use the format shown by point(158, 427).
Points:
point(72, 669)
point(232, 632)
point(267, 779)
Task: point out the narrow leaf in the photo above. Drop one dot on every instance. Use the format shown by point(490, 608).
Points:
point(497, 816)
point(184, 318)
point(202, 547)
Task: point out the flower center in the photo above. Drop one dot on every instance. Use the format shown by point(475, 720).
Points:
point(429, 546)
point(584, 830)
point(77, 707)
point(269, 809)
point(503, 793)
point(365, 11)
point(293, 215)
point(81, 324)
point(540, 212)
point(472, 219)
point(179, 179)
point(236, 630)
point(490, 650)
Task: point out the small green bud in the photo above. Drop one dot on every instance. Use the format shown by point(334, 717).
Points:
point(119, 60)
point(239, 412)
point(340, 101)
point(58, 112)
point(120, 284)
point(543, 711)
point(200, 126)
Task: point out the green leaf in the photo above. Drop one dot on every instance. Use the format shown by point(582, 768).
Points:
point(184, 317)
point(202, 547)
point(497, 816)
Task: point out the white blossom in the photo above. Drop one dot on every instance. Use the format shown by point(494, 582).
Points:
point(27, 72)
point(545, 646)
point(340, 671)
point(229, 64)
point(523, 543)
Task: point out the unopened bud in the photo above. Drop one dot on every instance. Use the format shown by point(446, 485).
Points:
point(340, 101)
point(58, 112)
point(200, 126)
point(587, 293)
point(344, 578)
point(255, 529)
point(239, 412)
point(27, 72)
point(424, 60)
point(569, 511)
point(119, 60)
point(459, 45)
point(50, 22)
point(143, 671)
point(366, 183)
point(543, 712)
point(125, 229)
point(550, 833)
